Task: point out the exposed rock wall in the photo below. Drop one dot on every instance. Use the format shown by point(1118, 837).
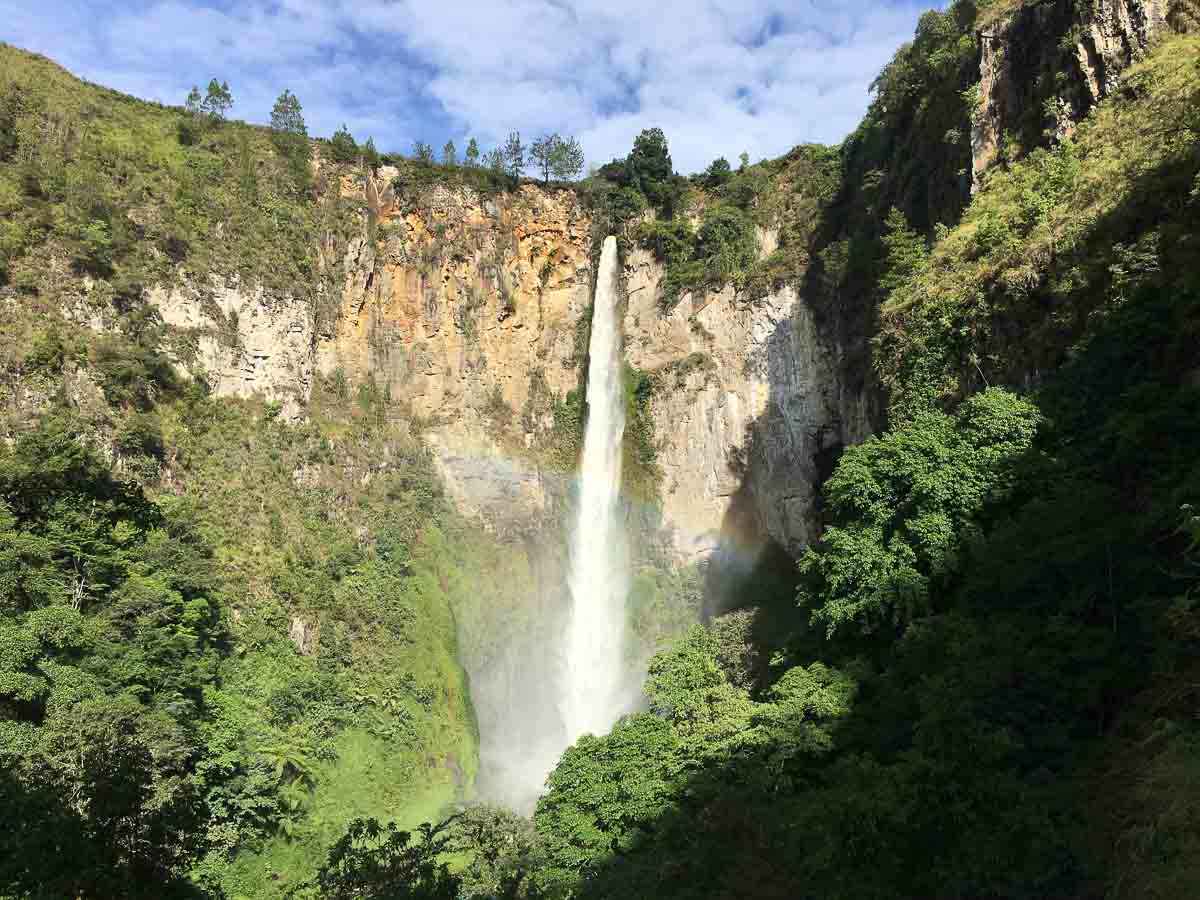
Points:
point(245, 342)
point(456, 306)
point(1044, 66)
point(471, 314)
point(750, 398)
point(464, 311)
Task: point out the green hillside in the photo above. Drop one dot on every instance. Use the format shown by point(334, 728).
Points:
point(231, 644)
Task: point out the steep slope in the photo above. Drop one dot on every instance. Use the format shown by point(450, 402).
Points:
point(989, 687)
point(356, 397)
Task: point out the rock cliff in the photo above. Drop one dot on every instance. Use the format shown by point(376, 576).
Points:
point(1045, 65)
point(470, 312)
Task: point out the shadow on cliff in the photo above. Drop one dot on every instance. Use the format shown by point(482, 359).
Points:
point(978, 757)
point(823, 393)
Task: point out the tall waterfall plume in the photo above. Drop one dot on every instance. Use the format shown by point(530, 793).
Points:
point(567, 676)
point(594, 694)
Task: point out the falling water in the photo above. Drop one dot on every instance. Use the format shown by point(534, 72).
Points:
point(593, 691)
point(565, 676)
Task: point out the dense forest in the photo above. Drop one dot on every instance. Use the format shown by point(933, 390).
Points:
point(982, 681)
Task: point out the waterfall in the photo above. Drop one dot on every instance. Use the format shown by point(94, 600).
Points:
point(593, 690)
point(568, 676)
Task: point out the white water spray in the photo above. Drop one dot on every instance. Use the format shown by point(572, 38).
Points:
point(566, 676)
point(594, 694)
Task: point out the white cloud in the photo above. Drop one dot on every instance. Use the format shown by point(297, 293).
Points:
point(719, 77)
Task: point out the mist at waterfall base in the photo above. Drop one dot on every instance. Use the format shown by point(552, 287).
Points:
point(570, 676)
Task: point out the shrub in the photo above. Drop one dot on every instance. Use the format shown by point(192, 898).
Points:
point(342, 146)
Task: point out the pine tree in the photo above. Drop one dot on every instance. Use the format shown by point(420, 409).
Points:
point(449, 154)
point(567, 159)
point(541, 154)
point(193, 102)
point(471, 157)
point(370, 155)
point(514, 155)
point(342, 146)
point(494, 161)
point(218, 101)
point(290, 136)
point(422, 152)
point(556, 157)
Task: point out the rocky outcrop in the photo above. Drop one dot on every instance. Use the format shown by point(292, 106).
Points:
point(1043, 67)
point(466, 313)
point(470, 314)
point(749, 398)
point(244, 342)
point(462, 309)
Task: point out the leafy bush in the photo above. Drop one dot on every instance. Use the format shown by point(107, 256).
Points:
point(721, 250)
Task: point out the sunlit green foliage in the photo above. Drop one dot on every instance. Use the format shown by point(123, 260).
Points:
point(1036, 248)
point(720, 251)
point(125, 200)
point(111, 633)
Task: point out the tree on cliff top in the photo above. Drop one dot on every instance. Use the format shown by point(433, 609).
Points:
point(514, 155)
point(557, 157)
point(290, 136)
point(342, 146)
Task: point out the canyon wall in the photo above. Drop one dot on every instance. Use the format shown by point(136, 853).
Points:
point(1045, 65)
point(470, 313)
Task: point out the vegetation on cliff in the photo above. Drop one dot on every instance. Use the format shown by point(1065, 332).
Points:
point(988, 684)
point(228, 643)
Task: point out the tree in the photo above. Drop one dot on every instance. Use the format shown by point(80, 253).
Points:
point(370, 155)
point(588, 810)
point(342, 146)
point(471, 157)
point(217, 101)
point(194, 101)
point(494, 161)
point(290, 136)
point(514, 155)
point(422, 152)
point(717, 173)
point(107, 645)
point(649, 165)
point(287, 117)
point(905, 506)
point(556, 157)
point(449, 155)
point(376, 862)
point(541, 154)
point(191, 127)
point(568, 159)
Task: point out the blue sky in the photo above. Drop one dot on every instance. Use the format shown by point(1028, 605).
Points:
point(718, 77)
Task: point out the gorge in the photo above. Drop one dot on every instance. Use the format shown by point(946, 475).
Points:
point(819, 527)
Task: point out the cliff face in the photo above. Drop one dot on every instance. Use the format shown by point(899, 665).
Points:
point(470, 313)
point(750, 397)
point(462, 309)
point(467, 313)
point(1044, 66)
